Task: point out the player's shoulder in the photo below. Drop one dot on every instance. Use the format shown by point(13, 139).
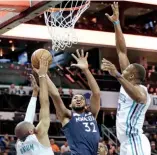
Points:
point(122, 90)
point(142, 88)
point(144, 93)
point(28, 138)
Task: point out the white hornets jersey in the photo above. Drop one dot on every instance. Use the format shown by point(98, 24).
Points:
point(130, 115)
point(31, 146)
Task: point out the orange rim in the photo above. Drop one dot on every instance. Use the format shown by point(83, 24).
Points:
point(65, 9)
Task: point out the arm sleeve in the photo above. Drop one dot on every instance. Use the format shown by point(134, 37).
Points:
point(30, 113)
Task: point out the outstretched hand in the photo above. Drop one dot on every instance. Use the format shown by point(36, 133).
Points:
point(108, 66)
point(115, 16)
point(81, 59)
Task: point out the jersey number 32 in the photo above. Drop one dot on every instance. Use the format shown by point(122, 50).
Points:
point(89, 127)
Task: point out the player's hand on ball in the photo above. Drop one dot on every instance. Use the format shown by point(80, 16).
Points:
point(43, 67)
point(115, 9)
point(108, 66)
point(81, 59)
point(34, 84)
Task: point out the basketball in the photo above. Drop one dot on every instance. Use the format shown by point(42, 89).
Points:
point(38, 54)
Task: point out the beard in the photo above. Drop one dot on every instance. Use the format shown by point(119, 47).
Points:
point(78, 109)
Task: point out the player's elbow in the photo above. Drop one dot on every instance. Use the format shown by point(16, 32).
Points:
point(43, 127)
point(54, 95)
point(96, 94)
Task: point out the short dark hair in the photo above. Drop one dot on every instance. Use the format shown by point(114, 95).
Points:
point(141, 71)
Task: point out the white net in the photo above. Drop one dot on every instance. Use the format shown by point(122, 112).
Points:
point(61, 21)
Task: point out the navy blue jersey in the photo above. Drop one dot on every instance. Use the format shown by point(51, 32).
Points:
point(82, 134)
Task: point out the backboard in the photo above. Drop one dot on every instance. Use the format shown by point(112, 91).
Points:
point(13, 13)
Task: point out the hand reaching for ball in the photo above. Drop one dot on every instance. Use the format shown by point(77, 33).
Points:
point(38, 54)
point(34, 83)
point(34, 86)
point(43, 67)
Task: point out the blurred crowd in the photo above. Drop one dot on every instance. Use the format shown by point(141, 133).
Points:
point(148, 27)
point(60, 148)
point(153, 142)
point(21, 73)
point(15, 91)
point(7, 145)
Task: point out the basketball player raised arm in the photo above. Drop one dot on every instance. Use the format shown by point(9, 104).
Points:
point(120, 41)
point(133, 88)
point(62, 112)
point(44, 115)
point(30, 113)
point(82, 63)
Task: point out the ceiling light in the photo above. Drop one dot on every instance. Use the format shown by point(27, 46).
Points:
point(1, 52)
point(97, 8)
point(12, 48)
point(94, 20)
point(10, 41)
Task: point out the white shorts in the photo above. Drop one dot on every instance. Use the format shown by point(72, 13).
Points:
point(136, 145)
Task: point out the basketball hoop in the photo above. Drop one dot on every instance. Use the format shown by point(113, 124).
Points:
point(61, 21)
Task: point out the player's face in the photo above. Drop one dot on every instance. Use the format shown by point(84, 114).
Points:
point(128, 72)
point(78, 102)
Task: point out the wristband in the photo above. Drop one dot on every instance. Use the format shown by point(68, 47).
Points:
point(42, 76)
point(118, 75)
point(116, 22)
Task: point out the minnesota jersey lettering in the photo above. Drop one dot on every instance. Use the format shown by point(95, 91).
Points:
point(82, 119)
